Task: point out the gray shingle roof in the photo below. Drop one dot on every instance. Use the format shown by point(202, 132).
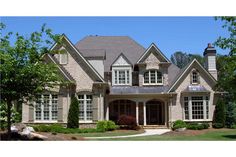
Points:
point(113, 46)
point(137, 90)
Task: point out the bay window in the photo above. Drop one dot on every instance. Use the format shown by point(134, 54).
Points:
point(196, 108)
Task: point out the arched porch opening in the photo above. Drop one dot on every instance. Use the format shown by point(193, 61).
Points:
point(121, 107)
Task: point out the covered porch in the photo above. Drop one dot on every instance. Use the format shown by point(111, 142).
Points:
point(147, 112)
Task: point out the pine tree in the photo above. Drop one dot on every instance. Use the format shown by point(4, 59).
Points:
point(73, 116)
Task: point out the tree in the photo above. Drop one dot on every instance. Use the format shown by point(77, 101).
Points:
point(22, 68)
point(219, 115)
point(73, 115)
point(181, 59)
point(226, 66)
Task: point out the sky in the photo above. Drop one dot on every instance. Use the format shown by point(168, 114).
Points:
point(170, 34)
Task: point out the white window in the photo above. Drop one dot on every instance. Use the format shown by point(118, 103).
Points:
point(153, 77)
point(122, 77)
point(46, 107)
point(195, 77)
point(196, 108)
point(85, 107)
point(63, 56)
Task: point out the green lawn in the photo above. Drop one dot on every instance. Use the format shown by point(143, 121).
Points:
point(111, 133)
point(211, 135)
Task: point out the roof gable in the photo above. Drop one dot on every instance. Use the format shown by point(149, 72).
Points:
point(156, 51)
point(62, 70)
point(78, 56)
point(185, 71)
point(121, 60)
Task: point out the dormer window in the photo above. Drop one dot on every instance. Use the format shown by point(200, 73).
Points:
point(63, 56)
point(122, 77)
point(153, 77)
point(195, 77)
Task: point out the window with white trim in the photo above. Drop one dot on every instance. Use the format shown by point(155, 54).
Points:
point(196, 108)
point(63, 56)
point(85, 107)
point(122, 77)
point(195, 77)
point(46, 107)
point(153, 77)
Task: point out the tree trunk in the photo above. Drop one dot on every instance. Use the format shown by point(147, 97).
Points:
point(9, 105)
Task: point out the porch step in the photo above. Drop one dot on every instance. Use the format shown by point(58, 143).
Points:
point(154, 127)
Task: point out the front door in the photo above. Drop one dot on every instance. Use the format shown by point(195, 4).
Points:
point(154, 113)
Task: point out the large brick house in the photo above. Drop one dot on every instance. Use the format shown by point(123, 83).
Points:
point(114, 75)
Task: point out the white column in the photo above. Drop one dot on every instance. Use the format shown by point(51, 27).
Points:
point(144, 114)
point(170, 106)
point(137, 119)
point(166, 120)
point(107, 111)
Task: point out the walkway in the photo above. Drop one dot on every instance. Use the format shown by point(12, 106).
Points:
point(148, 132)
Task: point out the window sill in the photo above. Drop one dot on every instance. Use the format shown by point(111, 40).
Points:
point(85, 121)
point(198, 120)
point(45, 121)
point(153, 84)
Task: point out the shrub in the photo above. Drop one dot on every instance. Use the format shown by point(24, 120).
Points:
point(219, 114)
point(101, 126)
point(178, 124)
point(73, 115)
point(230, 119)
point(197, 126)
point(106, 126)
point(217, 125)
point(127, 122)
point(111, 125)
point(233, 126)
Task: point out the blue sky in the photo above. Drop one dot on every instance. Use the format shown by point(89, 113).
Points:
point(170, 34)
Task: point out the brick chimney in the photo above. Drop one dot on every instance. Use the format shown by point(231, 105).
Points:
point(210, 60)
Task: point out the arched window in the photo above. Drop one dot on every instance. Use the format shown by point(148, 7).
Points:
point(63, 56)
point(153, 77)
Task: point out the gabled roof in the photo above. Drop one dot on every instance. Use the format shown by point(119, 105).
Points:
point(123, 56)
point(148, 51)
point(78, 55)
point(113, 46)
point(63, 71)
point(186, 69)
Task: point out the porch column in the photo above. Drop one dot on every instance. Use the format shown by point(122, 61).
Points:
point(107, 112)
point(166, 108)
point(137, 114)
point(144, 114)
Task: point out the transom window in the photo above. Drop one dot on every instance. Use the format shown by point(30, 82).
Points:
point(85, 107)
point(196, 108)
point(46, 107)
point(122, 77)
point(153, 77)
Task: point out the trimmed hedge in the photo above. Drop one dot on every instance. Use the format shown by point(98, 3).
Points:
point(197, 126)
point(106, 126)
point(57, 128)
point(219, 114)
point(179, 124)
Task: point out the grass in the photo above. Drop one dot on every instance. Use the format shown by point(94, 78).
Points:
point(111, 133)
point(211, 135)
